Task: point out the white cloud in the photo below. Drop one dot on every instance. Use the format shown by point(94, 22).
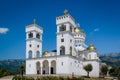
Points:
point(3, 30)
point(97, 29)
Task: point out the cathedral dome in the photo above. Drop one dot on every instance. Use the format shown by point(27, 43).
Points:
point(91, 47)
point(78, 30)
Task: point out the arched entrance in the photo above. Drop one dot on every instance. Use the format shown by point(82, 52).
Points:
point(38, 69)
point(53, 67)
point(45, 67)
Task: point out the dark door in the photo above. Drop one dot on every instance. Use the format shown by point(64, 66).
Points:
point(51, 70)
point(37, 71)
point(43, 71)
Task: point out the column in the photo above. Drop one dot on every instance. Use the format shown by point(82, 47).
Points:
point(41, 67)
point(49, 67)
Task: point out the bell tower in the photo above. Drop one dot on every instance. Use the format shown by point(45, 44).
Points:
point(33, 41)
point(65, 38)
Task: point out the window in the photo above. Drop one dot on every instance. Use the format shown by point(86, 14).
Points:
point(30, 35)
point(37, 46)
point(62, 40)
point(62, 63)
point(38, 35)
point(30, 45)
point(62, 35)
point(37, 54)
point(70, 28)
point(62, 50)
point(30, 54)
point(70, 50)
point(70, 40)
point(62, 28)
point(89, 56)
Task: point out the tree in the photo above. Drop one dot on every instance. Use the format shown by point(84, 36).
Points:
point(22, 69)
point(118, 72)
point(104, 70)
point(4, 72)
point(112, 71)
point(88, 68)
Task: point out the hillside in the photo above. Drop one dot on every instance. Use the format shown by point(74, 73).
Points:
point(112, 59)
point(12, 64)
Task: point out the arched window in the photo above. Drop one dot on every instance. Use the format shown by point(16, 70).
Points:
point(38, 35)
point(89, 56)
point(71, 28)
point(30, 35)
point(62, 50)
point(62, 28)
point(70, 50)
point(37, 54)
point(30, 54)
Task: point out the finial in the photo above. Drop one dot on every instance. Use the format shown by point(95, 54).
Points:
point(46, 51)
point(91, 43)
point(65, 11)
point(34, 21)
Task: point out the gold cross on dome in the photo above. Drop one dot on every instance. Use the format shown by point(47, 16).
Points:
point(34, 21)
point(65, 11)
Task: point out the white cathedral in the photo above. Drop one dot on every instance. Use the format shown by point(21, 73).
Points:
point(71, 53)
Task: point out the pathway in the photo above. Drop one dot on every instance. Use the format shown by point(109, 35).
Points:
point(6, 78)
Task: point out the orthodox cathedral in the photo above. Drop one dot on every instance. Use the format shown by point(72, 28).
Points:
point(70, 56)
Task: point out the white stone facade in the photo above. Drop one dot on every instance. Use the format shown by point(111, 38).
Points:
point(72, 53)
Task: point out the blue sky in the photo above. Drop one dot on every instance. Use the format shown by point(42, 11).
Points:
point(100, 19)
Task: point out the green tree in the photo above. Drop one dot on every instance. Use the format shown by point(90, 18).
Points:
point(104, 70)
point(118, 72)
point(88, 68)
point(4, 72)
point(112, 71)
point(22, 69)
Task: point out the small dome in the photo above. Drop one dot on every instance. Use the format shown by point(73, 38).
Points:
point(78, 30)
point(91, 47)
point(46, 51)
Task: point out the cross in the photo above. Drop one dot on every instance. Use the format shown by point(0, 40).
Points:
point(65, 11)
point(34, 21)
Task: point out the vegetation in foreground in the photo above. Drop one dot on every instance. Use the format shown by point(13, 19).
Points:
point(56, 78)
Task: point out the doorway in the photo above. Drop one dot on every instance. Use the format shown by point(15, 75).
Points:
point(52, 70)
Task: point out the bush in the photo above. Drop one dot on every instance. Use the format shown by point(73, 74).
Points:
point(56, 78)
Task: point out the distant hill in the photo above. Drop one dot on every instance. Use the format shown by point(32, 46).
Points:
point(12, 64)
point(112, 59)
